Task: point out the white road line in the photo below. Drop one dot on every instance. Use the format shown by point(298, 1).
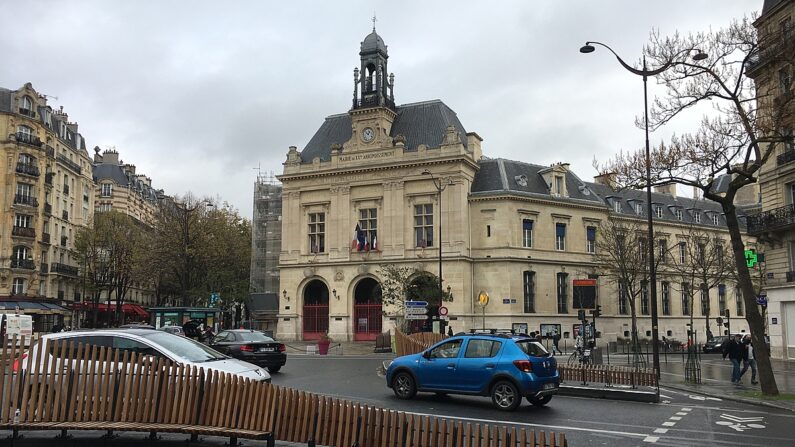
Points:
point(526, 424)
point(667, 397)
point(668, 424)
point(687, 409)
point(682, 413)
point(675, 418)
point(651, 438)
point(661, 431)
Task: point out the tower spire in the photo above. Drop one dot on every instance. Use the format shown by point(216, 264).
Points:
point(374, 19)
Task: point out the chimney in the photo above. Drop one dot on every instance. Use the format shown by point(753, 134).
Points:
point(129, 168)
point(668, 188)
point(607, 179)
point(110, 157)
point(697, 193)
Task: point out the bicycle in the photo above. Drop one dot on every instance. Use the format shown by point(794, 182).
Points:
point(580, 356)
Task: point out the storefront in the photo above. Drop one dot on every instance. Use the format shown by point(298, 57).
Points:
point(133, 313)
point(178, 316)
point(45, 315)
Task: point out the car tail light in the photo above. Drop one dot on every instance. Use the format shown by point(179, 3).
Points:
point(523, 365)
point(16, 362)
point(247, 348)
point(282, 348)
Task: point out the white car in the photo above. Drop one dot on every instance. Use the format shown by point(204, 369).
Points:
point(181, 350)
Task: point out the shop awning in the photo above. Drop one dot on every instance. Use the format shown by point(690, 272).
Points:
point(32, 307)
point(127, 308)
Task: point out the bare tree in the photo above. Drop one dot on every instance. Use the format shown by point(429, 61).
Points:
point(745, 127)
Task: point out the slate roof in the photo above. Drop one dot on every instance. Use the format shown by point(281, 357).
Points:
point(500, 176)
point(421, 123)
point(373, 42)
point(5, 100)
point(770, 4)
point(115, 173)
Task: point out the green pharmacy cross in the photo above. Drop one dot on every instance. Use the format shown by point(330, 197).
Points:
point(751, 258)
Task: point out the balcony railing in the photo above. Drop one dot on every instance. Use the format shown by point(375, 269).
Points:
point(63, 241)
point(23, 232)
point(61, 294)
point(776, 219)
point(64, 269)
point(22, 264)
point(48, 178)
point(27, 112)
point(68, 163)
point(787, 157)
point(21, 199)
point(45, 238)
point(66, 189)
point(45, 268)
point(65, 215)
point(28, 169)
point(49, 150)
point(27, 138)
point(47, 208)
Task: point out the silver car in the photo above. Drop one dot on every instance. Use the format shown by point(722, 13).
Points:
point(181, 350)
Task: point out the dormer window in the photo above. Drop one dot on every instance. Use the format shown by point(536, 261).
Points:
point(678, 213)
point(107, 189)
point(697, 216)
point(558, 186)
point(638, 209)
point(617, 206)
point(658, 211)
point(26, 106)
point(715, 219)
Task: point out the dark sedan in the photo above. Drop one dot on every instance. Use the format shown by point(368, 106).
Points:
point(715, 345)
point(251, 346)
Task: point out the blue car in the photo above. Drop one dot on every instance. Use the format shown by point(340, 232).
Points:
point(505, 367)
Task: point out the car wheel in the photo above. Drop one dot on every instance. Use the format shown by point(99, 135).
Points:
point(505, 396)
point(274, 369)
point(539, 401)
point(403, 385)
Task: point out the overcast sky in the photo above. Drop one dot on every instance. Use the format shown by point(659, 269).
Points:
point(197, 94)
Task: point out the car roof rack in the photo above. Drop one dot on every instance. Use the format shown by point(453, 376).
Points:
point(503, 333)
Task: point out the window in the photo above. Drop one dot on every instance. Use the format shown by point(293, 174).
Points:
point(527, 233)
point(662, 250)
point(678, 213)
point(368, 223)
point(26, 104)
point(24, 191)
point(134, 346)
point(704, 300)
point(617, 206)
point(644, 297)
point(446, 350)
point(623, 299)
point(20, 253)
point(715, 219)
point(104, 207)
point(22, 220)
point(658, 211)
point(317, 232)
point(423, 225)
point(26, 159)
point(785, 26)
point(697, 216)
point(721, 298)
point(666, 298)
point(558, 185)
point(701, 253)
point(560, 236)
point(488, 230)
point(685, 298)
point(682, 252)
point(25, 131)
point(107, 189)
point(482, 349)
point(738, 297)
point(643, 249)
point(18, 286)
point(590, 240)
point(785, 79)
point(529, 287)
point(563, 303)
point(638, 209)
point(719, 252)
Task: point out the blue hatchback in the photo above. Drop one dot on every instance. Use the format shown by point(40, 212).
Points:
point(503, 366)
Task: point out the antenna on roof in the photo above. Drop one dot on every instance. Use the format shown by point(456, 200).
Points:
point(46, 97)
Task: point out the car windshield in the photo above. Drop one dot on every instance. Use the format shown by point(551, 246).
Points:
point(719, 340)
point(184, 348)
point(253, 336)
point(533, 348)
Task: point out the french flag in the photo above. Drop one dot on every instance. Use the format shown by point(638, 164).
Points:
point(374, 246)
point(361, 239)
point(355, 241)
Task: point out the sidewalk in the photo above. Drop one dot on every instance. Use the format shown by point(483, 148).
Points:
point(345, 348)
point(715, 375)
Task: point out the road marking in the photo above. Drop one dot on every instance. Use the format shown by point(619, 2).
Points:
point(651, 438)
point(687, 409)
point(739, 419)
point(675, 418)
point(740, 424)
point(667, 397)
point(661, 431)
point(669, 424)
point(682, 413)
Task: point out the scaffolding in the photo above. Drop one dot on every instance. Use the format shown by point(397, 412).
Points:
point(266, 243)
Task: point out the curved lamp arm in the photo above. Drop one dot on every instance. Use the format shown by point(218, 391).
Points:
point(588, 48)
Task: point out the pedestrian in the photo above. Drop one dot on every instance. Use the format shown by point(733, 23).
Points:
point(750, 360)
point(538, 337)
point(556, 343)
point(735, 350)
point(449, 331)
point(533, 334)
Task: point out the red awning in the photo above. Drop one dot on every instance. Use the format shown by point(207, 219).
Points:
point(132, 309)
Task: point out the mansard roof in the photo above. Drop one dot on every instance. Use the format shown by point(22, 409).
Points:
point(421, 123)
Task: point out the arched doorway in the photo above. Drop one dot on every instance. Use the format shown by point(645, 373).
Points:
point(315, 309)
point(367, 314)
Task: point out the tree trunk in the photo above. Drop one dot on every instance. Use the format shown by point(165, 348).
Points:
point(752, 315)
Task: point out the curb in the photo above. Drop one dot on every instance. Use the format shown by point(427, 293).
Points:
point(609, 393)
point(730, 397)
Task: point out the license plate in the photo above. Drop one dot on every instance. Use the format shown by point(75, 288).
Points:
point(548, 386)
point(265, 349)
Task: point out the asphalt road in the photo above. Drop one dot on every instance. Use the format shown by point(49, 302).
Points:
point(680, 420)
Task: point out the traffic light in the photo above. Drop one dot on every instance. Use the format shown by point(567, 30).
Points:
point(726, 312)
point(598, 311)
point(581, 315)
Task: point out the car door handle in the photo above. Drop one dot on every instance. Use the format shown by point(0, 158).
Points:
point(489, 365)
point(451, 366)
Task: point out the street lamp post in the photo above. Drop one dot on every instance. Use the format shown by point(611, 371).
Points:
point(440, 185)
point(645, 73)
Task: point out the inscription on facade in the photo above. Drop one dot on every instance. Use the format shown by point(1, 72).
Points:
point(367, 156)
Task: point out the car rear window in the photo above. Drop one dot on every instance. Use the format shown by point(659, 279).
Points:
point(184, 348)
point(253, 336)
point(533, 348)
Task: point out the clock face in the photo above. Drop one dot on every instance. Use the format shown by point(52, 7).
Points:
point(368, 134)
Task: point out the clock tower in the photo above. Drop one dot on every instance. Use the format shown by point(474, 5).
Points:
point(373, 110)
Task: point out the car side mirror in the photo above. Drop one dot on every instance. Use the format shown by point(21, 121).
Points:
point(426, 355)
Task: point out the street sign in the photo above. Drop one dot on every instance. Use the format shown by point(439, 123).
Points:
point(761, 300)
point(416, 311)
point(416, 304)
point(750, 258)
point(442, 311)
point(483, 299)
point(416, 317)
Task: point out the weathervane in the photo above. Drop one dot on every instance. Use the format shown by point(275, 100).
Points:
point(374, 20)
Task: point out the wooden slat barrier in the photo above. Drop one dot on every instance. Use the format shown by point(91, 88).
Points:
point(414, 343)
point(609, 375)
point(76, 387)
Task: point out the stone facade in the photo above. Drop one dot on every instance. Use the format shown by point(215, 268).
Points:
point(379, 169)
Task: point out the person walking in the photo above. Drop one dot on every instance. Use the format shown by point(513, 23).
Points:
point(750, 360)
point(556, 343)
point(735, 350)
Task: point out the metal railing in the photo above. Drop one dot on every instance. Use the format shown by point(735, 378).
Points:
point(47, 208)
point(64, 269)
point(68, 163)
point(66, 189)
point(27, 138)
point(790, 276)
point(49, 150)
point(27, 112)
point(28, 169)
point(63, 241)
point(787, 157)
point(65, 215)
point(45, 268)
point(775, 219)
point(22, 264)
point(48, 178)
point(23, 231)
point(21, 199)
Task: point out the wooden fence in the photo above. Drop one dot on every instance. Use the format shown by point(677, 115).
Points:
point(609, 375)
point(83, 387)
point(414, 343)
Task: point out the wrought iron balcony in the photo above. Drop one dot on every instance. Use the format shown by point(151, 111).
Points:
point(47, 208)
point(787, 157)
point(22, 264)
point(27, 112)
point(63, 241)
point(48, 178)
point(64, 269)
point(65, 215)
point(23, 232)
point(45, 238)
point(790, 276)
point(777, 219)
point(68, 163)
point(27, 138)
point(21, 199)
point(45, 268)
point(49, 150)
point(66, 189)
point(28, 169)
